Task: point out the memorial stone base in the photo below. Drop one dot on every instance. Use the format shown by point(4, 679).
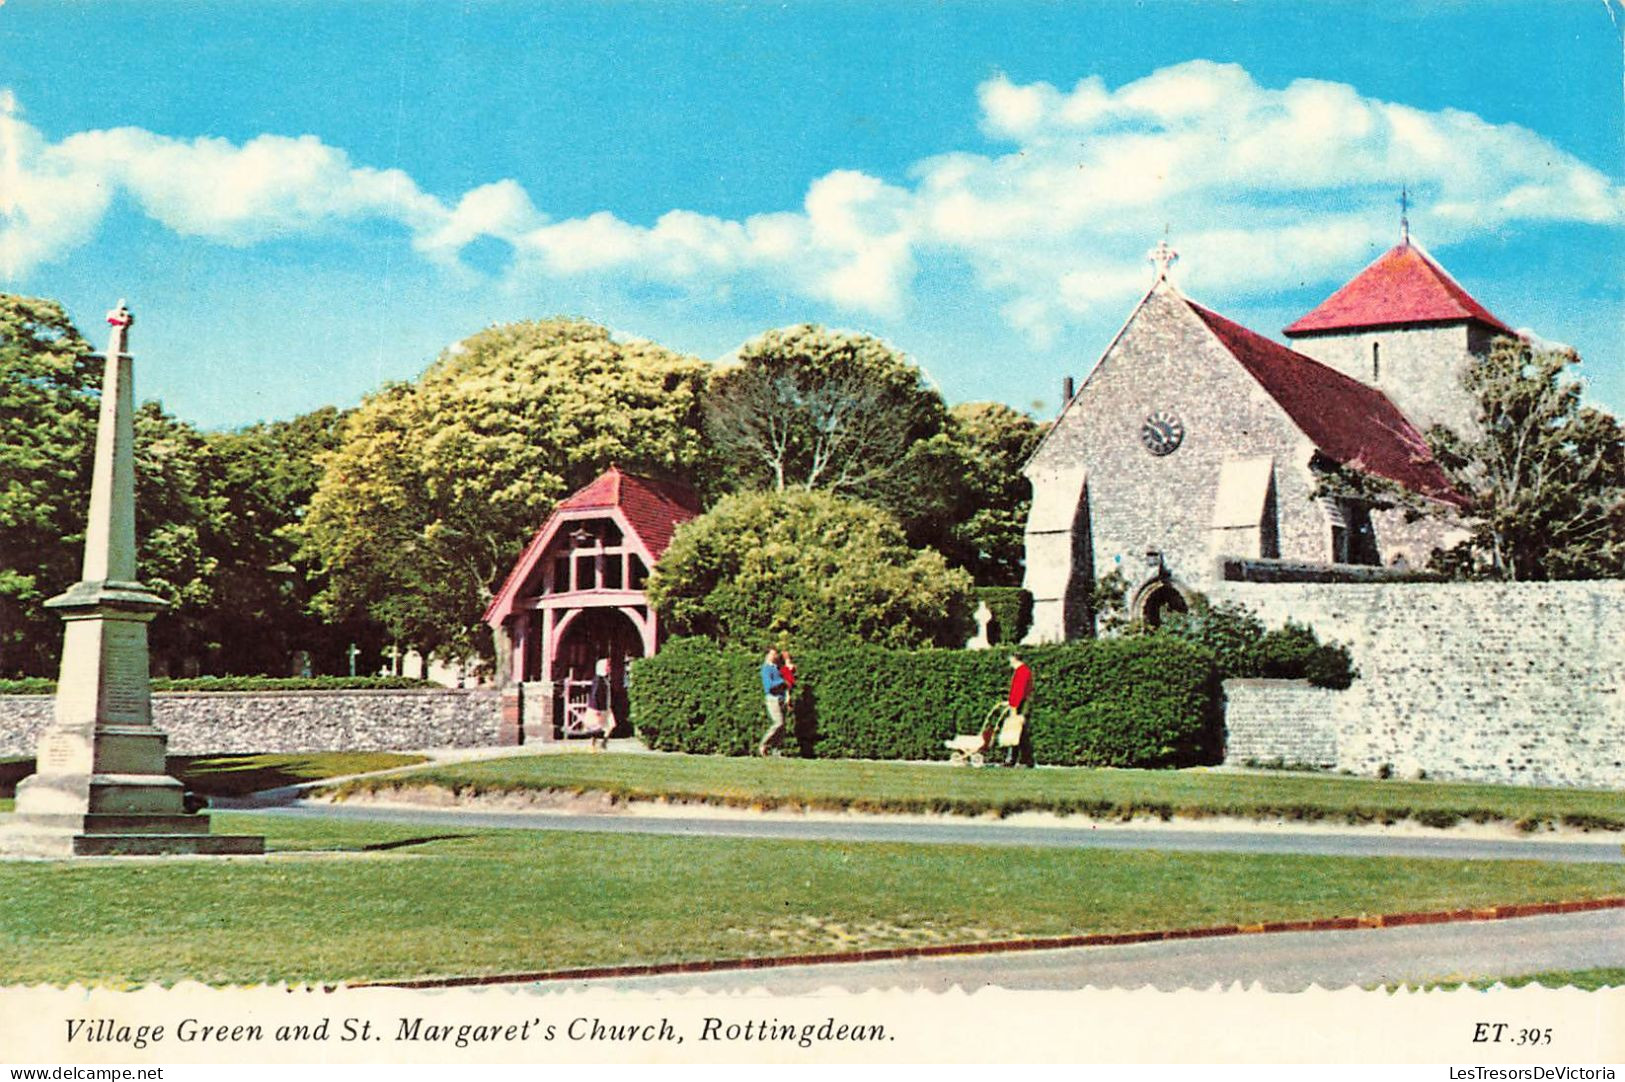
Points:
point(100, 786)
point(104, 793)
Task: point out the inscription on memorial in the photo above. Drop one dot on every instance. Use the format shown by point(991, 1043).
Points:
point(125, 690)
point(63, 753)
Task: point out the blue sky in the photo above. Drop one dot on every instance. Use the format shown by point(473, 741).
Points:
point(301, 200)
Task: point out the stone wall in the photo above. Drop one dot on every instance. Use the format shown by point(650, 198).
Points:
point(1502, 682)
point(286, 721)
point(1281, 723)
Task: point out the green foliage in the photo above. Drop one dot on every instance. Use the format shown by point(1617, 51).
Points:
point(265, 588)
point(969, 498)
point(809, 408)
point(213, 513)
point(1122, 702)
point(1012, 609)
point(1546, 474)
point(1243, 648)
point(1108, 600)
point(42, 686)
point(845, 413)
point(808, 568)
point(49, 390)
point(437, 484)
point(693, 696)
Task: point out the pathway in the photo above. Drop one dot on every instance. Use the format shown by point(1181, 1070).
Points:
point(1282, 962)
point(1260, 838)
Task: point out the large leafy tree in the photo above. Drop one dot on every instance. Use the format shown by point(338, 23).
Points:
point(49, 388)
point(810, 408)
point(808, 569)
point(265, 587)
point(1546, 473)
point(967, 497)
point(436, 484)
point(215, 515)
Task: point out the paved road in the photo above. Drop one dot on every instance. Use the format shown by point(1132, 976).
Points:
point(1284, 962)
point(1264, 839)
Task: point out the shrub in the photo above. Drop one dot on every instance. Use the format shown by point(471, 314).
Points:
point(1244, 649)
point(27, 685)
point(1124, 702)
point(807, 566)
point(1230, 631)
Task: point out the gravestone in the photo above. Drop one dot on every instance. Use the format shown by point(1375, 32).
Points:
point(100, 787)
point(984, 617)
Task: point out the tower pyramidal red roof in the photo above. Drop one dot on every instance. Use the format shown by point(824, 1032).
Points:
point(1403, 286)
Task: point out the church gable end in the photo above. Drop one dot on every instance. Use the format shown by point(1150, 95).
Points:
point(1163, 414)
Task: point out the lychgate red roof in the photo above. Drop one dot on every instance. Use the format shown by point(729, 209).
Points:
point(653, 509)
point(1351, 423)
point(1403, 286)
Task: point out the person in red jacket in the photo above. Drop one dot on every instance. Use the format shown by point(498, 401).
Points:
point(1021, 686)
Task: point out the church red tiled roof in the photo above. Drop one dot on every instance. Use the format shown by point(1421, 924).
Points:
point(653, 509)
point(1352, 424)
point(1403, 286)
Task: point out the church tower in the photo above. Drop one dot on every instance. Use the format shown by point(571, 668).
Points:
point(1404, 326)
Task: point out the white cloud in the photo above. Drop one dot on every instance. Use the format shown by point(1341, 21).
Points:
point(1261, 188)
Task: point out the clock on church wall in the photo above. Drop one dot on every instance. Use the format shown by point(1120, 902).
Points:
point(1162, 433)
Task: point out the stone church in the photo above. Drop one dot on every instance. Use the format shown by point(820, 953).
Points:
point(1198, 451)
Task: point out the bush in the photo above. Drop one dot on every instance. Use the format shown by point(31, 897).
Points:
point(1244, 649)
point(1012, 609)
point(41, 686)
point(1145, 701)
point(809, 567)
point(28, 685)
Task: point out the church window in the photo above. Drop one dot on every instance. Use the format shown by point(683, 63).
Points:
point(639, 573)
point(1269, 527)
point(612, 571)
point(586, 573)
point(1376, 362)
point(561, 575)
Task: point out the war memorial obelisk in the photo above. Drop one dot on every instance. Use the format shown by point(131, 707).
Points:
point(100, 786)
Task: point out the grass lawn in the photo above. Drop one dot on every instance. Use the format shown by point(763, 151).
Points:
point(915, 787)
point(235, 775)
point(408, 902)
point(1588, 979)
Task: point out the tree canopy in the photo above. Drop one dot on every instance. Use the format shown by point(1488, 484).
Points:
point(1546, 473)
point(806, 568)
point(969, 499)
point(810, 408)
point(436, 484)
point(49, 390)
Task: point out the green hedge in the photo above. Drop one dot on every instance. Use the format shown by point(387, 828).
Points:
point(1012, 609)
point(1146, 702)
point(39, 685)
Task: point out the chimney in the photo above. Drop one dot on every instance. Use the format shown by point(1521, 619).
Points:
point(1066, 391)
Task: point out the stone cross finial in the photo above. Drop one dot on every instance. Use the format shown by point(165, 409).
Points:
point(120, 319)
point(1163, 257)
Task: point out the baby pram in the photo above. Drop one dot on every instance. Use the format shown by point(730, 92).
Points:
point(1001, 728)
